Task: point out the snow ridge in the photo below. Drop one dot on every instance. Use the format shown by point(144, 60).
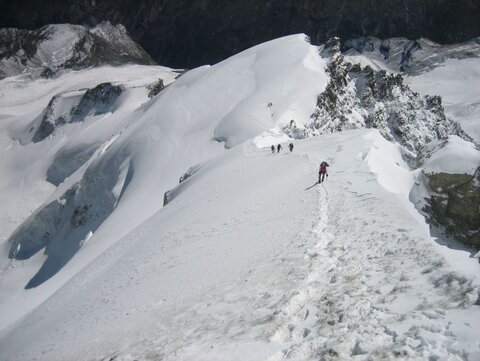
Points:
point(360, 299)
point(248, 260)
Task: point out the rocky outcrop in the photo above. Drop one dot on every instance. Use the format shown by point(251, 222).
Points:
point(169, 195)
point(156, 88)
point(190, 33)
point(46, 51)
point(360, 97)
point(97, 101)
point(57, 113)
point(454, 205)
point(447, 189)
point(71, 107)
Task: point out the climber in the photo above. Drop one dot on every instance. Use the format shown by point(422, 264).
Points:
point(272, 148)
point(279, 147)
point(291, 147)
point(322, 171)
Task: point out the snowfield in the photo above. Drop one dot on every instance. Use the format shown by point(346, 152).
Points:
point(253, 261)
point(250, 259)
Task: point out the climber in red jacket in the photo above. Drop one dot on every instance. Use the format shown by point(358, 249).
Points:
point(322, 171)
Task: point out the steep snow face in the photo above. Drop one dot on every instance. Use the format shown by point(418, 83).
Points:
point(45, 51)
point(252, 260)
point(127, 158)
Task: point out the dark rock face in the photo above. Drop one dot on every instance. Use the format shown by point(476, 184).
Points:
point(188, 33)
point(45, 51)
point(156, 88)
point(70, 107)
point(96, 101)
point(454, 205)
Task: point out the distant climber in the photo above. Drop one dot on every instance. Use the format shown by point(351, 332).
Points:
point(279, 147)
point(272, 148)
point(290, 146)
point(323, 171)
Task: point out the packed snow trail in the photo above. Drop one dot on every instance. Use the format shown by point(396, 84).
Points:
point(374, 289)
point(250, 262)
point(221, 240)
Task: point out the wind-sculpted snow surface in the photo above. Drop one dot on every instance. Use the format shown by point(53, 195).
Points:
point(56, 192)
point(251, 260)
point(60, 227)
point(132, 154)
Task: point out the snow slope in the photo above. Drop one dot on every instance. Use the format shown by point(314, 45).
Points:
point(250, 260)
point(453, 156)
point(135, 154)
point(25, 165)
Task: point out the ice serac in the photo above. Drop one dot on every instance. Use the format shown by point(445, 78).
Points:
point(45, 51)
point(59, 227)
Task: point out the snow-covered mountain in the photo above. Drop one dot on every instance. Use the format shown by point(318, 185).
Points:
point(450, 71)
point(190, 33)
point(250, 259)
point(411, 57)
point(45, 51)
point(359, 97)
